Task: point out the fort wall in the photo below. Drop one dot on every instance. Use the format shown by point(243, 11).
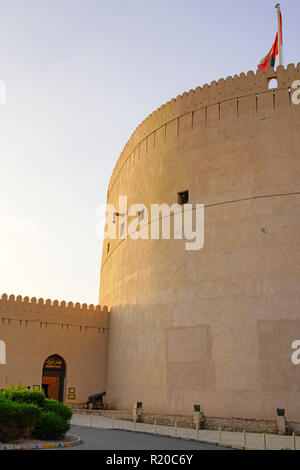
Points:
point(219, 100)
point(35, 329)
point(213, 327)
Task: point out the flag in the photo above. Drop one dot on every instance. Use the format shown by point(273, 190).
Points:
point(270, 59)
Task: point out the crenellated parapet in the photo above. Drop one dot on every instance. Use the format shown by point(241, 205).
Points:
point(218, 94)
point(24, 309)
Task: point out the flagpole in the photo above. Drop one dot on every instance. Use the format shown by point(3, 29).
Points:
point(280, 52)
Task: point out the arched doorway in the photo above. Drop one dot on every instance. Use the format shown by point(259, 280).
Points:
point(54, 370)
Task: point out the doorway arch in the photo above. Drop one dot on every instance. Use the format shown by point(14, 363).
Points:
point(54, 370)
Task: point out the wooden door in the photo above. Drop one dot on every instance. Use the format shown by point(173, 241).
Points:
point(53, 387)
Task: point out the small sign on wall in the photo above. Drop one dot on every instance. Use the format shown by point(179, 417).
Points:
point(71, 396)
point(71, 389)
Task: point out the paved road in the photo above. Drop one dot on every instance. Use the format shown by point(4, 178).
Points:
point(109, 439)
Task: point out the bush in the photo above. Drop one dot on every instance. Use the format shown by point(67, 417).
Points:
point(5, 392)
point(24, 413)
point(58, 408)
point(28, 397)
point(51, 426)
point(17, 420)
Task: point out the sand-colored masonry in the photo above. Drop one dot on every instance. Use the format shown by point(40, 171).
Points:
point(213, 327)
point(36, 329)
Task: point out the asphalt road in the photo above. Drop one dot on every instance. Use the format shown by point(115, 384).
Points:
point(109, 439)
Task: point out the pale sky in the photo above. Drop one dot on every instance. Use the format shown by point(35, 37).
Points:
point(80, 76)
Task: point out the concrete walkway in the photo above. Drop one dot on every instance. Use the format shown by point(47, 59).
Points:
point(234, 439)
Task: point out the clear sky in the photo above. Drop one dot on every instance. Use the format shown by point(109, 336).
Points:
point(80, 76)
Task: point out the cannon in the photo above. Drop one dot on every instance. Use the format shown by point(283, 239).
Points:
point(96, 402)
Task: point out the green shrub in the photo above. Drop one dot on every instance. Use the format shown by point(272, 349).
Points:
point(24, 413)
point(5, 392)
point(17, 420)
point(58, 408)
point(27, 396)
point(51, 426)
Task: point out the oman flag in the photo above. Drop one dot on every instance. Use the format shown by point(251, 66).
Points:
point(270, 58)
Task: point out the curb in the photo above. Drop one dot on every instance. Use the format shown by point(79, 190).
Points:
point(201, 441)
point(75, 442)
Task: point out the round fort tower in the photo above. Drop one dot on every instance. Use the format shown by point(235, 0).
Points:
point(213, 326)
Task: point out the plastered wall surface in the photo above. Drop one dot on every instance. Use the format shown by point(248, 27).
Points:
point(35, 329)
point(213, 326)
